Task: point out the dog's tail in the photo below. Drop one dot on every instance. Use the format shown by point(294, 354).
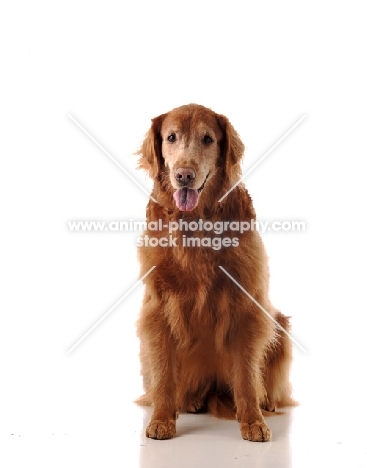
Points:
point(144, 400)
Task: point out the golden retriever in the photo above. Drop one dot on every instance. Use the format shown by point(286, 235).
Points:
point(205, 344)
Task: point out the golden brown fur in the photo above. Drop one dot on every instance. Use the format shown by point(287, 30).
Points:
point(205, 345)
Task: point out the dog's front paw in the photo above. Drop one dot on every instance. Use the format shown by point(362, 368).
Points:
point(161, 429)
point(255, 432)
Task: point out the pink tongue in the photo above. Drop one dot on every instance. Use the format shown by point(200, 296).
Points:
point(186, 199)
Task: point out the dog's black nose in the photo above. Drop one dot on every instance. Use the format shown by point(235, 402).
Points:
point(184, 175)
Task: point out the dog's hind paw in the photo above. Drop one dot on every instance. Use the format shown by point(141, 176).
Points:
point(195, 406)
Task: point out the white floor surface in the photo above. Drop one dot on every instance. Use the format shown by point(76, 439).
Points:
point(113, 66)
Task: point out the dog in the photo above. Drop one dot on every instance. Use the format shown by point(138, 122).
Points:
point(206, 345)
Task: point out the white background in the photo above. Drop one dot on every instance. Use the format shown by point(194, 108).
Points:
point(113, 66)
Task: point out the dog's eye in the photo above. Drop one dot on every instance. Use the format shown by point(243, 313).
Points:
point(171, 138)
point(207, 140)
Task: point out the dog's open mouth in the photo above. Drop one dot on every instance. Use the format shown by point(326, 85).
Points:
point(187, 199)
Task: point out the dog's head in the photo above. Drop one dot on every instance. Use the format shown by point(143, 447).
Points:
point(187, 149)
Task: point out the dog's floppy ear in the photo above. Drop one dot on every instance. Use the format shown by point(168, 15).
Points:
point(150, 152)
point(232, 148)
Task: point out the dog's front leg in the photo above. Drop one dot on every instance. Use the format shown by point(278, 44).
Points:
point(162, 361)
point(247, 386)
